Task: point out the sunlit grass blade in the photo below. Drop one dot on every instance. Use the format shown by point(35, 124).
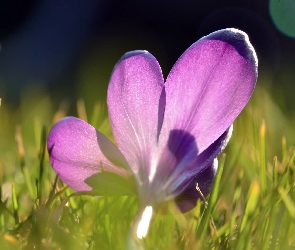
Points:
point(81, 110)
point(277, 227)
point(287, 167)
point(21, 155)
point(284, 147)
point(236, 198)
point(263, 175)
point(72, 202)
point(244, 239)
point(290, 205)
point(61, 112)
point(15, 205)
point(251, 206)
point(51, 195)
point(99, 114)
point(202, 228)
point(275, 172)
point(266, 236)
point(41, 164)
point(292, 158)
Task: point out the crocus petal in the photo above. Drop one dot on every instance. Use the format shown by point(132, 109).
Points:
point(206, 89)
point(204, 180)
point(77, 150)
point(136, 109)
point(178, 180)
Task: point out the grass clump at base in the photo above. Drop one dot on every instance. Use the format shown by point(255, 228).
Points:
point(251, 206)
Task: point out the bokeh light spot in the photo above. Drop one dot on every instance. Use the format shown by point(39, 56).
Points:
point(282, 13)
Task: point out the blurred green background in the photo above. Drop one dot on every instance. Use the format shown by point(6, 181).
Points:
point(69, 48)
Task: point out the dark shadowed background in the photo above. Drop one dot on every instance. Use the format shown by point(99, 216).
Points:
point(69, 47)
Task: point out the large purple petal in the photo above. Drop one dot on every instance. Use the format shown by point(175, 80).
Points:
point(77, 151)
point(206, 90)
point(136, 109)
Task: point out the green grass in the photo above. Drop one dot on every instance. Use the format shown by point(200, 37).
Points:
point(252, 204)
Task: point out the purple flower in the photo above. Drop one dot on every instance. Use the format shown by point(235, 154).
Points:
point(167, 135)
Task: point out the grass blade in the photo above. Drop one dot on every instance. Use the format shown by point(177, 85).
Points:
point(212, 201)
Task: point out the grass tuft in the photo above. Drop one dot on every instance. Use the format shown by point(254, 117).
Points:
point(251, 205)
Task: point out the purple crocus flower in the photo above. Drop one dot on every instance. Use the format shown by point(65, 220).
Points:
point(168, 134)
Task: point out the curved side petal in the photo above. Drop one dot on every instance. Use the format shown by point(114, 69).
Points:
point(135, 108)
point(188, 198)
point(77, 151)
point(183, 175)
point(208, 87)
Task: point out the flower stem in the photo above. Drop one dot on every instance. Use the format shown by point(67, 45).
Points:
point(140, 228)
